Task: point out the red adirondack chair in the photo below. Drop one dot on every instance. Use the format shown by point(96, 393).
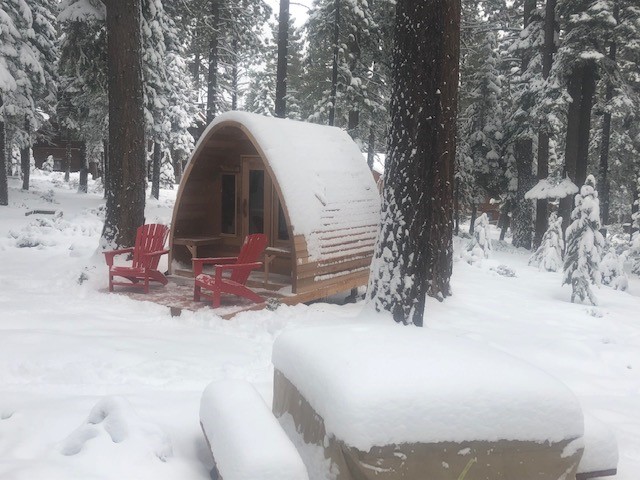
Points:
point(239, 267)
point(150, 240)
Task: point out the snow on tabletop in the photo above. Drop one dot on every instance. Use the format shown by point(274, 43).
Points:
point(380, 384)
point(246, 439)
point(322, 174)
point(600, 446)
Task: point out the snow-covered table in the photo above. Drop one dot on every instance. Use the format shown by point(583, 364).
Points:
point(386, 401)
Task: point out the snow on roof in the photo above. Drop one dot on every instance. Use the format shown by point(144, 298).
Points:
point(552, 188)
point(380, 384)
point(324, 180)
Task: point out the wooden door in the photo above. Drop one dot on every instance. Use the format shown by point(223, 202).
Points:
point(257, 212)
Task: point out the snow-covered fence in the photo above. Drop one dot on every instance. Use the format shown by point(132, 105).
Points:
point(245, 439)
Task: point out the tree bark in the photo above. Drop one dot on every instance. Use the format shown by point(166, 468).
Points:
point(548, 50)
point(155, 176)
point(371, 147)
point(522, 220)
point(472, 221)
point(25, 165)
point(281, 69)
point(521, 226)
point(106, 179)
point(4, 184)
point(67, 160)
point(177, 165)
point(603, 171)
point(334, 71)
point(212, 75)
point(414, 254)
point(126, 195)
point(574, 87)
point(84, 169)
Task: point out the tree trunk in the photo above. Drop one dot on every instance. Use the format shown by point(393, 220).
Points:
point(234, 76)
point(414, 251)
point(472, 221)
point(84, 170)
point(603, 173)
point(4, 185)
point(522, 219)
point(155, 177)
point(504, 219)
point(107, 171)
point(177, 165)
point(371, 147)
point(212, 76)
point(127, 153)
point(586, 103)
point(334, 71)
point(549, 49)
point(571, 145)
point(281, 69)
point(25, 165)
point(67, 160)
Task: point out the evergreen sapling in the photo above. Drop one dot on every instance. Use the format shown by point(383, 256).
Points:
point(549, 254)
point(480, 246)
point(612, 270)
point(585, 244)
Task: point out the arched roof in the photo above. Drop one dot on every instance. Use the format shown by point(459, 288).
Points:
point(322, 176)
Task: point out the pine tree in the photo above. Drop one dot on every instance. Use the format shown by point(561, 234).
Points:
point(585, 244)
point(261, 94)
point(413, 254)
point(549, 254)
point(480, 246)
point(635, 245)
point(83, 108)
point(27, 75)
point(169, 107)
point(126, 192)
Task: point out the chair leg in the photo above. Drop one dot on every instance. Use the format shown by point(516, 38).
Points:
point(215, 297)
point(146, 284)
point(110, 282)
point(196, 293)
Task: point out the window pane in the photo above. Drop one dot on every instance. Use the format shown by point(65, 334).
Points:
point(256, 201)
point(228, 204)
point(283, 233)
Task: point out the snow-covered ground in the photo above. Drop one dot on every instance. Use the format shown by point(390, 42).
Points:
point(100, 386)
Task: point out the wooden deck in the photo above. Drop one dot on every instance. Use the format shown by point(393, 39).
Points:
point(177, 296)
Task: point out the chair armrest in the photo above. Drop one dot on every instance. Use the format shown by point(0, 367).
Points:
point(154, 254)
point(199, 263)
point(109, 254)
point(237, 266)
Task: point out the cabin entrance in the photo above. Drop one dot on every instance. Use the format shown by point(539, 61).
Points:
point(261, 208)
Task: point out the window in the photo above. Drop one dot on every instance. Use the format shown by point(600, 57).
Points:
point(283, 232)
point(228, 204)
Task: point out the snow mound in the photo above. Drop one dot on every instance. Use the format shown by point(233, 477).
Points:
point(246, 440)
point(380, 384)
point(600, 446)
point(113, 421)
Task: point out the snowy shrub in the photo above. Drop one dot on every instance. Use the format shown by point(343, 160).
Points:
point(504, 271)
point(49, 196)
point(480, 246)
point(548, 256)
point(612, 270)
point(585, 244)
point(47, 165)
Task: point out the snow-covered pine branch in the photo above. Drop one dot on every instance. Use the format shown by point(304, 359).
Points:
point(549, 254)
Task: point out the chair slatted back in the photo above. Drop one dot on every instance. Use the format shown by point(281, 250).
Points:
point(250, 252)
point(149, 238)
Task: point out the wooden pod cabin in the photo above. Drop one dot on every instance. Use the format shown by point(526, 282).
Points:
point(306, 186)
